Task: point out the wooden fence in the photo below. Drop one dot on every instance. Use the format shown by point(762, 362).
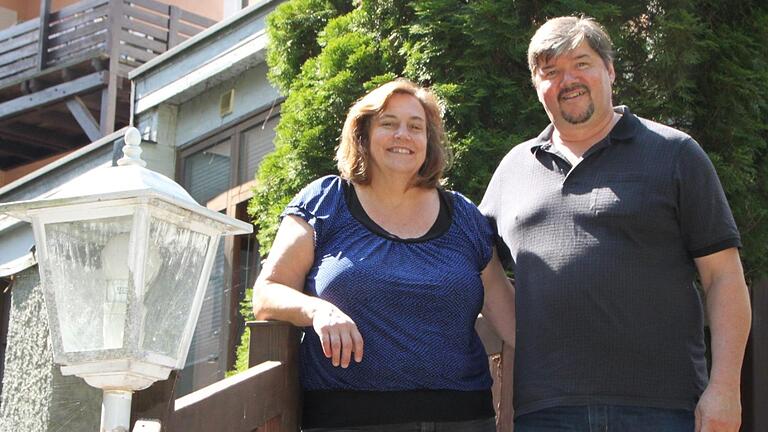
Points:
point(134, 31)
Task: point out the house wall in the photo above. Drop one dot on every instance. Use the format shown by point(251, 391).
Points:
point(36, 397)
point(211, 9)
point(200, 115)
point(28, 9)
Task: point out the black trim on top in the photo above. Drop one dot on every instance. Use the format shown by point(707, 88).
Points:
point(440, 227)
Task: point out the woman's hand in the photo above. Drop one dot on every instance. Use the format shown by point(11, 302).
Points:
point(338, 335)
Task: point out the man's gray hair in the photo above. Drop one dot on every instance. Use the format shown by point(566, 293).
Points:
point(562, 34)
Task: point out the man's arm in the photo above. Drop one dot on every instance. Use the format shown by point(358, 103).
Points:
point(730, 316)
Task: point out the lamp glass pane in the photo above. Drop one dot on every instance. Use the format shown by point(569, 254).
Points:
point(170, 294)
point(88, 270)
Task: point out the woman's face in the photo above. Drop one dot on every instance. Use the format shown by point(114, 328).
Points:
point(398, 137)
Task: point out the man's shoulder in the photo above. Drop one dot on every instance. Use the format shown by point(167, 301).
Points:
point(521, 151)
point(658, 132)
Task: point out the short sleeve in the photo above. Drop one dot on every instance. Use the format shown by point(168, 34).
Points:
point(478, 229)
point(317, 203)
point(488, 207)
point(706, 221)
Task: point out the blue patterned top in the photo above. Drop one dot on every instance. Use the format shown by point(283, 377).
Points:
point(414, 302)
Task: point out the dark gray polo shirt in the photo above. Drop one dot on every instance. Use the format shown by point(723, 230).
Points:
point(607, 310)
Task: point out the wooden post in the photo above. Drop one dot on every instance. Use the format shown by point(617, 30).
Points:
point(174, 38)
point(109, 94)
point(279, 341)
point(505, 411)
point(754, 374)
point(42, 38)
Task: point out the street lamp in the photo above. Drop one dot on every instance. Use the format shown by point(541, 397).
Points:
point(124, 255)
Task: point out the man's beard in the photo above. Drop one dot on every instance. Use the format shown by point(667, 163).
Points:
point(580, 118)
point(584, 116)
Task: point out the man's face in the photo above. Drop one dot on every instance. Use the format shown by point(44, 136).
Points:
point(575, 88)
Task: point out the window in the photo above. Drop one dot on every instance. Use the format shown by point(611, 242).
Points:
point(218, 171)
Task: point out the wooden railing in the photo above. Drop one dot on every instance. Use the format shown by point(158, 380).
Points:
point(135, 31)
point(265, 398)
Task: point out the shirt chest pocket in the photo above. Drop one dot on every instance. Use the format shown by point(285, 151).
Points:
point(618, 194)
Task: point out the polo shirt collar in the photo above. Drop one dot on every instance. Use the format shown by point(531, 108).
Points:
point(623, 131)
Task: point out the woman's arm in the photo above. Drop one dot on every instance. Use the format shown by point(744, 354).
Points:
point(499, 309)
point(278, 295)
point(499, 305)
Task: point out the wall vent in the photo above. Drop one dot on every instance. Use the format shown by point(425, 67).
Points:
point(227, 103)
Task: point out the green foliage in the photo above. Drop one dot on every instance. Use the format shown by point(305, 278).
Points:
point(293, 27)
point(241, 356)
point(698, 65)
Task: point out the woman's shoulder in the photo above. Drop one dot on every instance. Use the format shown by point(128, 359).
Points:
point(319, 203)
point(472, 225)
point(326, 183)
point(461, 203)
point(465, 211)
point(322, 195)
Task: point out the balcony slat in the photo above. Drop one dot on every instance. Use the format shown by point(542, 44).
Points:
point(151, 5)
point(85, 44)
point(99, 14)
point(27, 39)
point(196, 19)
point(138, 54)
point(18, 67)
point(77, 57)
point(148, 17)
point(75, 8)
point(186, 29)
point(18, 54)
point(63, 38)
point(19, 29)
point(142, 42)
point(136, 25)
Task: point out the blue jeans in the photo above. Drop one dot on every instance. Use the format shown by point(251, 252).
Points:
point(606, 418)
point(482, 425)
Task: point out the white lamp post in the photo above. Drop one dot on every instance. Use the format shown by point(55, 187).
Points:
point(124, 255)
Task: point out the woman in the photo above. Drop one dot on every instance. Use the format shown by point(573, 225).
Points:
point(388, 272)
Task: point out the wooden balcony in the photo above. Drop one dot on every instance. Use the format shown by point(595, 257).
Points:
point(63, 76)
point(266, 397)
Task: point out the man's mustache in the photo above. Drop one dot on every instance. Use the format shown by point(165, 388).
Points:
point(572, 88)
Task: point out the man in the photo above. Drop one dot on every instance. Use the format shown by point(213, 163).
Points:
point(608, 217)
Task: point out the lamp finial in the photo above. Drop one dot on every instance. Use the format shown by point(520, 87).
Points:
point(132, 149)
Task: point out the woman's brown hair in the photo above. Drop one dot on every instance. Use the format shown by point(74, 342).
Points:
point(353, 153)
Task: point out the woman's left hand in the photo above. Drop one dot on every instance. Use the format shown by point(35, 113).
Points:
point(338, 334)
